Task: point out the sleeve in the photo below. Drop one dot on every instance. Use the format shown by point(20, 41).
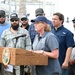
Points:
point(2, 40)
point(52, 42)
point(28, 42)
point(69, 40)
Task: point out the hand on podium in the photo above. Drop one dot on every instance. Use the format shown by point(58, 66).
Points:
point(5, 66)
point(39, 51)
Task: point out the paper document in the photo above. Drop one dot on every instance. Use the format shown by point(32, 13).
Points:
point(10, 68)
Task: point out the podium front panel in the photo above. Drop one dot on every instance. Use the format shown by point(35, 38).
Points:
point(24, 57)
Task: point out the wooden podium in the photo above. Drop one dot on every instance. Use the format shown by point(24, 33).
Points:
point(23, 57)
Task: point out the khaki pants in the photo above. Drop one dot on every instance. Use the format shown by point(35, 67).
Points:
point(17, 70)
point(8, 73)
point(33, 72)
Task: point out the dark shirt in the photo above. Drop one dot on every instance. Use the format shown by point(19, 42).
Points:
point(32, 32)
point(65, 38)
point(26, 27)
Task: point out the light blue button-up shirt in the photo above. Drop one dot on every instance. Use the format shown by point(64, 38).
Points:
point(22, 42)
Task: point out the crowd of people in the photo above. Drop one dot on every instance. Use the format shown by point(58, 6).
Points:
point(43, 36)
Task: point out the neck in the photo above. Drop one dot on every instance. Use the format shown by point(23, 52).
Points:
point(24, 26)
point(57, 27)
point(13, 31)
point(41, 32)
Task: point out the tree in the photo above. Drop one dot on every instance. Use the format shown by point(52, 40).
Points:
point(22, 7)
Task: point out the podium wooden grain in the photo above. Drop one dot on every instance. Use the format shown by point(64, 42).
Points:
point(24, 57)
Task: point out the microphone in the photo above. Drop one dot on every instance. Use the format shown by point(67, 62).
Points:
point(23, 35)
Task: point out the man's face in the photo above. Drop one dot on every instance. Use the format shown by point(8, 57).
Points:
point(24, 21)
point(14, 23)
point(2, 19)
point(56, 21)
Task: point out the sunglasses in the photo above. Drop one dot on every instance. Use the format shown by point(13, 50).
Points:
point(2, 16)
point(12, 20)
point(22, 19)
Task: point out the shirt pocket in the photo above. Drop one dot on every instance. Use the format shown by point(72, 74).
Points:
point(61, 38)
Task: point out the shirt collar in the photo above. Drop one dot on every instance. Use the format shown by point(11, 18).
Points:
point(58, 28)
point(43, 34)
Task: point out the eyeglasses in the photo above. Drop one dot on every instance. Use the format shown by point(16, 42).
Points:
point(22, 19)
point(12, 20)
point(2, 16)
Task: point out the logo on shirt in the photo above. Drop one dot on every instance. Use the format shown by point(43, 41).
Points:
point(64, 33)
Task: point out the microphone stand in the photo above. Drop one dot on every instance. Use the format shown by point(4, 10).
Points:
point(25, 73)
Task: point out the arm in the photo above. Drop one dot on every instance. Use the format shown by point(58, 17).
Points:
point(69, 44)
point(72, 58)
point(28, 45)
point(67, 58)
point(72, 61)
point(52, 46)
point(54, 54)
point(2, 40)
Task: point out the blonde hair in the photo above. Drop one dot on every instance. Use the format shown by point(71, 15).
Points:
point(47, 27)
